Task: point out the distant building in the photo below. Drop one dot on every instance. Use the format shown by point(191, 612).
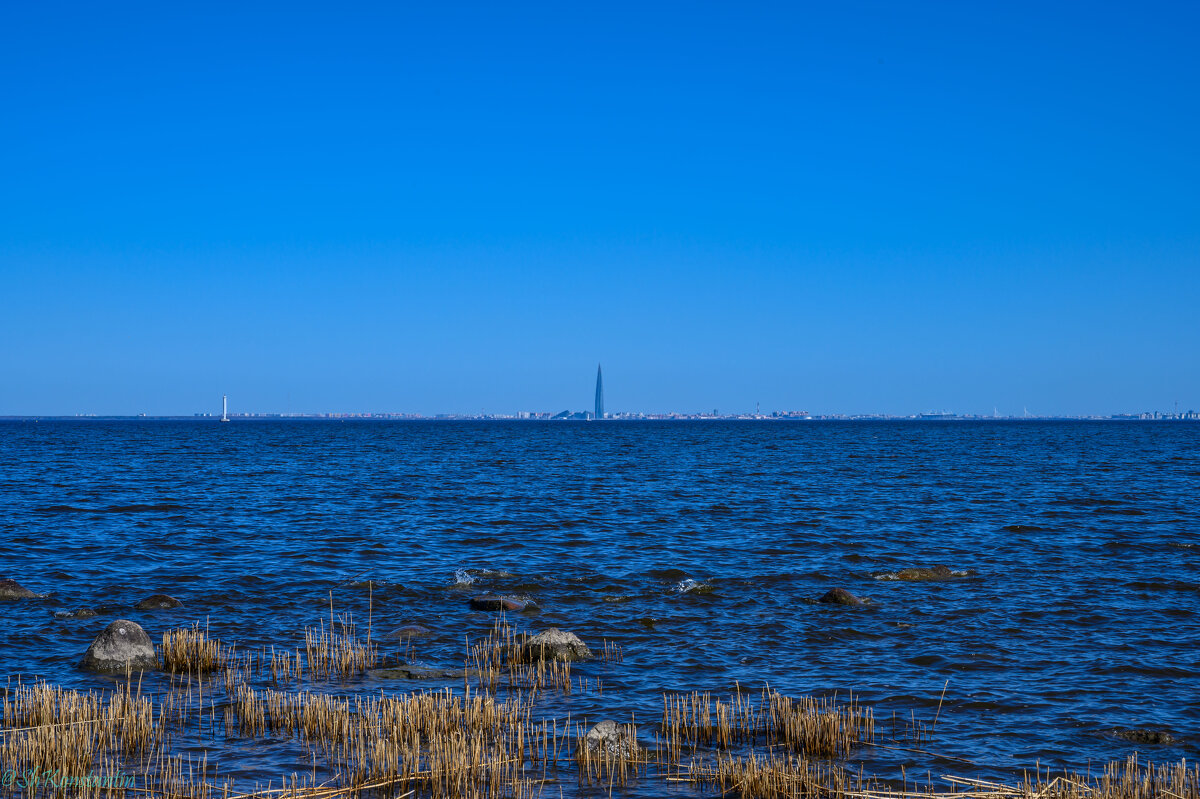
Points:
point(599, 414)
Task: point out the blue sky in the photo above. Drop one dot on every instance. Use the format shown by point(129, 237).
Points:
point(837, 207)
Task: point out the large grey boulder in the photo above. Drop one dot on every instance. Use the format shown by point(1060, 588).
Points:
point(122, 646)
point(554, 644)
point(618, 740)
point(11, 589)
point(159, 602)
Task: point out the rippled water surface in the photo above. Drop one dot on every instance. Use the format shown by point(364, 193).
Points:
point(698, 547)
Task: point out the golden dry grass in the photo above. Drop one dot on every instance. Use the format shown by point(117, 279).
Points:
point(191, 651)
point(489, 739)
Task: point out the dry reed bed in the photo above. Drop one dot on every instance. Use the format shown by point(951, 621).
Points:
point(813, 726)
point(468, 745)
point(474, 745)
point(47, 727)
point(447, 745)
point(611, 767)
point(191, 651)
point(495, 662)
point(328, 654)
point(797, 777)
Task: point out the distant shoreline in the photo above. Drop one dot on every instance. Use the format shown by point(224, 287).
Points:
point(271, 417)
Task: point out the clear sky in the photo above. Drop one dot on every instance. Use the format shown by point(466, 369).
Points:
point(439, 207)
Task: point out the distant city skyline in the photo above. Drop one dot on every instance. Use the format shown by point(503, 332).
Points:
point(599, 412)
point(568, 416)
point(847, 208)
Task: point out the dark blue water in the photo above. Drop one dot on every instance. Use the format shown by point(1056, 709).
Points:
point(1079, 615)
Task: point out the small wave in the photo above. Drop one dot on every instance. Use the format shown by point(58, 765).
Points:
point(486, 574)
point(690, 586)
point(463, 577)
point(1163, 585)
point(159, 508)
point(1084, 502)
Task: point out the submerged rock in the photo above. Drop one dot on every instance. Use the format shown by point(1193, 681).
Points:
point(494, 574)
point(123, 645)
point(421, 673)
point(493, 602)
point(840, 596)
point(76, 613)
point(409, 631)
point(916, 574)
point(11, 589)
point(554, 644)
point(615, 739)
point(159, 602)
point(1146, 736)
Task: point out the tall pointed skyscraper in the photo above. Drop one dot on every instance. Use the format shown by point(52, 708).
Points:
point(599, 393)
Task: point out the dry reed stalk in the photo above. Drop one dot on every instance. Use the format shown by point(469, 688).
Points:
point(611, 653)
point(71, 734)
point(818, 727)
point(190, 651)
point(340, 655)
point(611, 766)
point(494, 662)
point(754, 777)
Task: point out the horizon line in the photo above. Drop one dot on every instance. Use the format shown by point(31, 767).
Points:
point(1188, 415)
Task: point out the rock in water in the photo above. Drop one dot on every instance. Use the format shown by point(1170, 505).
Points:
point(421, 673)
point(159, 602)
point(76, 613)
point(1143, 736)
point(123, 645)
point(840, 596)
point(555, 644)
point(916, 574)
point(615, 739)
point(491, 602)
point(11, 589)
point(409, 631)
